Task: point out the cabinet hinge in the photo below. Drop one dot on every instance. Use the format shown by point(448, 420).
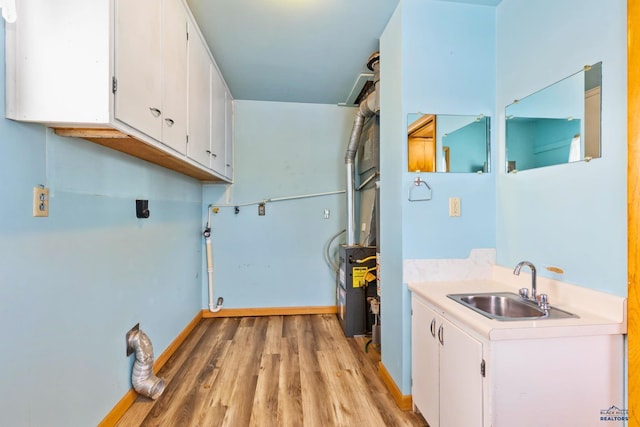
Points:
point(114, 84)
point(483, 368)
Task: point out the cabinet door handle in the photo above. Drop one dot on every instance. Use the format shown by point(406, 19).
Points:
point(169, 122)
point(432, 328)
point(212, 154)
point(441, 334)
point(155, 112)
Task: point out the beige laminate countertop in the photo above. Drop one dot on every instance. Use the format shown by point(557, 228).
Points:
point(599, 313)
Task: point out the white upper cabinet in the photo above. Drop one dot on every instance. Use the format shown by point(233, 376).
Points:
point(151, 69)
point(218, 121)
point(138, 65)
point(229, 125)
point(174, 71)
point(58, 65)
point(134, 76)
point(210, 122)
point(199, 129)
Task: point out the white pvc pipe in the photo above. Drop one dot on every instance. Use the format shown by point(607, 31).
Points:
point(218, 307)
point(277, 199)
point(209, 251)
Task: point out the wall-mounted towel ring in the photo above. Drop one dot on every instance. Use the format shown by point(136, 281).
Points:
point(419, 192)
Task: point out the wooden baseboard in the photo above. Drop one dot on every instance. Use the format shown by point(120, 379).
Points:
point(404, 401)
point(269, 311)
point(118, 411)
point(127, 400)
point(164, 357)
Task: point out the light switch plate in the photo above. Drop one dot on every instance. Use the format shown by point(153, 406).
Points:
point(454, 206)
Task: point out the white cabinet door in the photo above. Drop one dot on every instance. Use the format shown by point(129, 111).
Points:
point(174, 66)
point(425, 389)
point(229, 135)
point(138, 65)
point(460, 378)
point(218, 121)
point(199, 127)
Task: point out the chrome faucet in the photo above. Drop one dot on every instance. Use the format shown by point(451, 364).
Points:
point(523, 292)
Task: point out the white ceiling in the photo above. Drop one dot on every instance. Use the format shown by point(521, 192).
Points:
point(294, 50)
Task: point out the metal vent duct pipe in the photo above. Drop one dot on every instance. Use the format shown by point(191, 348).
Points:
point(367, 108)
point(143, 379)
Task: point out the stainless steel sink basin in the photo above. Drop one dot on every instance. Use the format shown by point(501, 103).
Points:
point(506, 306)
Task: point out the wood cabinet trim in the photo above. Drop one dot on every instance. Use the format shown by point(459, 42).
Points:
point(116, 140)
point(633, 205)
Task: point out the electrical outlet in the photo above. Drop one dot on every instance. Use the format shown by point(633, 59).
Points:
point(40, 201)
point(454, 206)
point(261, 209)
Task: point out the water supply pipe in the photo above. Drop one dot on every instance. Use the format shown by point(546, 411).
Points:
point(367, 108)
point(143, 379)
point(209, 250)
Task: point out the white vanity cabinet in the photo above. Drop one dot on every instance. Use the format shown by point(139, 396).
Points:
point(447, 370)
point(122, 74)
point(469, 370)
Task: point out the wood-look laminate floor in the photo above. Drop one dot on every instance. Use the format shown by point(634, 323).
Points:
point(271, 371)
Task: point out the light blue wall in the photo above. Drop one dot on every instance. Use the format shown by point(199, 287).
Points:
point(448, 67)
point(570, 216)
point(392, 135)
point(72, 284)
point(281, 150)
point(445, 67)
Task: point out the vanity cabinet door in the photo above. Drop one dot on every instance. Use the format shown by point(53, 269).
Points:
point(138, 65)
point(425, 387)
point(447, 381)
point(461, 400)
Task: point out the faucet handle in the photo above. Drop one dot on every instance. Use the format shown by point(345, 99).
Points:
point(524, 293)
point(543, 303)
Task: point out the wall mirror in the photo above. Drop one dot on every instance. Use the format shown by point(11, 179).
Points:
point(558, 124)
point(448, 143)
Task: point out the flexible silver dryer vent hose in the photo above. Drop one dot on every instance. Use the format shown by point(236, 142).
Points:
point(143, 379)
